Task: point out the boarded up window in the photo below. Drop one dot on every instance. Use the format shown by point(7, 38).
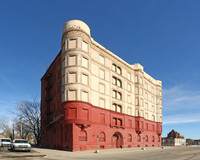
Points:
point(138, 138)
point(101, 88)
point(82, 135)
point(101, 60)
point(71, 94)
point(84, 62)
point(102, 103)
point(84, 96)
point(129, 138)
point(129, 110)
point(136, 78)
point(102, 137)
point(72, 113)
point(84, 46)
point(129, 87)
point(136, 90)
point(101, 74)
point(136, 101)
point(72, 43)
point(71, 60)
point(102, 118)
point(84, 79)
point(129, 99)
point(71, 77)
point(129, 123)
point(129, 76)
point(85, 114)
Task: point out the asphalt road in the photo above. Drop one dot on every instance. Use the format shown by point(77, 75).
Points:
point(168, 153)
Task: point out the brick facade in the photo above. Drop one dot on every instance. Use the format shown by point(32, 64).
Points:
point(88, 94)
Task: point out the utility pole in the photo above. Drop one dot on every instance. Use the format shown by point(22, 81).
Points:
point(21, 122)
point(13, 132)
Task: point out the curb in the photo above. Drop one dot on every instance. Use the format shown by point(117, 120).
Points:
point(22, 156)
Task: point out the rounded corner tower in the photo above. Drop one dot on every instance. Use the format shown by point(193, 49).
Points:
point(76, 25)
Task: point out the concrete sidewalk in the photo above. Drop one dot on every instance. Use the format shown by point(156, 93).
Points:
point(5, 153)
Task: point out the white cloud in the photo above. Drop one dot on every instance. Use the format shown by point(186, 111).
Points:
point(180, 97)
point(181, 118)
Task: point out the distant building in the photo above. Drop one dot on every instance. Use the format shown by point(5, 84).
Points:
point(2, 135)
point(174, 139)
point(89, 94)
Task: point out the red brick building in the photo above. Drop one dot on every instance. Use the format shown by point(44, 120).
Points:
point(89, 94)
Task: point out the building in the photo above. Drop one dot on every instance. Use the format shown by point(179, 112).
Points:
point(89, 94)
point(2, 135)
point(174, 139)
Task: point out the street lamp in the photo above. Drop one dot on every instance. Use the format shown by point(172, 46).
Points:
point(97, 151)
point(143, 143)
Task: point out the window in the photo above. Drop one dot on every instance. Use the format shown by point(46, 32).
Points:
point(102, 137)
point(117, 82)
point(102, 103)
point(147, 126)
point(71, 77)
point(84, 62)
point(84, 96)
point(136, 102)
point(146, 138)
point(153, 108)
point(82, 135)
point(129, 87)
point(116, 69)
point(101, 59)
point(153, 139)
point(72, 43)
point(129, 110)
point(101, 88)
point(102, 118)
point(153, 118)
point(141, 91)
point(129, 98)
point(84, 79)
point(141, 102)
point(128, 76)
point(152, 99)
point(117, 107)
point(153, 127)
point(146, 105)
point(138, 138)
point(71, 60)
point(129, 138)
point(101, 74)
point(71, 94)
point(136, 79)
point(84, 46)
point(136, 90)
point(146, 115)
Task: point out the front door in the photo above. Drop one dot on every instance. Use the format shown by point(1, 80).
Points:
point(115, 141)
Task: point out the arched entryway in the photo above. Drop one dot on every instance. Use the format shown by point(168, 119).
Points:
point(116, 140)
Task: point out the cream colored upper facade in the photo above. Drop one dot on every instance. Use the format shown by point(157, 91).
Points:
point(93, 74)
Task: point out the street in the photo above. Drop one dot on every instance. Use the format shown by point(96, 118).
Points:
point(168, 153)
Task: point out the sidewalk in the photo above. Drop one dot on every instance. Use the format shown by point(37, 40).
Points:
point(8, 154)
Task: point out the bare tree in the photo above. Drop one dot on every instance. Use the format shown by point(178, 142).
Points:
point(5, 127)
point(30, 119)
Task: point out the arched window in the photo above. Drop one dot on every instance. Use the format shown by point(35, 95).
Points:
point(138, 138)
point(82, 135)
point(146, 138)
point(102, 137)
point(153, 139)
point(129, 138)
point(158, 138)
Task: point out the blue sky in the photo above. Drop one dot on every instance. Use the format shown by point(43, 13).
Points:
point(163, 36)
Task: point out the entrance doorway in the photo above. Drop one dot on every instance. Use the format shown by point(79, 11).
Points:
point(116, 140)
